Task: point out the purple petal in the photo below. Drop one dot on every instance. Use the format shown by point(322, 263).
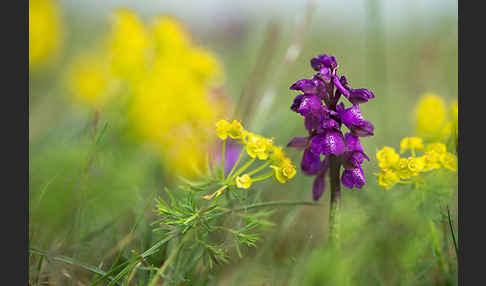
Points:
point(360, 95)
point(352, 159)
point(352, 142)
point(352, 178)
point(310, 104)
point(339, 87)
point(331, 142)
point(298, 143)
point(324, 75)
point(297, 101)
point(353, 119)
point(304, 85)
point(312, 122)
point(310, 163)
point(330, 123)
point(318, 187)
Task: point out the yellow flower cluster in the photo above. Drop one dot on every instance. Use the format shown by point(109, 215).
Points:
point(257, 147)
point(168, 81)
point(396, 169)
point(433, 120)
point(45, 31)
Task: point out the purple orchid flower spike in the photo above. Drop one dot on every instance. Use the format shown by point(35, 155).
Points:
point(323, 119)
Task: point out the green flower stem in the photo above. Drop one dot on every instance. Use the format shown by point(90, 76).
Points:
point(259, 168)
point(172, 256)
point(262, 177)
point(242, 153)
point(272, 204)
point(335, 206)
point(242, 169)
point(222, 159)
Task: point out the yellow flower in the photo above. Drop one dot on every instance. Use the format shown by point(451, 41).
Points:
point(128, 45)
point(411, 143)
point(278, 155)
point(284, 171)
point(431, 160)
point(402, 169)
point(449, 161)
point(258, 146)
point(387, 157)
point(416, 165)
point(430, 115)
point(222, 129)
point(436, 147)
point(89, 79)
point(235, 130)
point(454, 110)
point(387, 178)
point(243, 182)
point(433, 151)
point(45, 31)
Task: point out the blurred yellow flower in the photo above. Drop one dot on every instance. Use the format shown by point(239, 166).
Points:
point(449, 161)
point(430, 115)
point(168, 80)
point(433, 120)
point(45, 31)
point(128, 45)
point(89, 79)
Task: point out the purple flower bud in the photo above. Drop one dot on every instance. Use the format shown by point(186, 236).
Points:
point(360, 95)
point(323, 60)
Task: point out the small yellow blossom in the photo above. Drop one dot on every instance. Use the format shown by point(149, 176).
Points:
point(402, 169)
point(449, 161)
point(387, 178)
point(430, 115)
point(257, 146)
point(416, 165)
point(411, 143)
point(235, 130)
point(436, 147)
point(243, 182)
point(284, 171)
point(222, 129)
point(278, 155)
point(387, 157)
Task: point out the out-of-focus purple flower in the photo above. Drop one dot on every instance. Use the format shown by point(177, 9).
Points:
point(231, 154)
point(323, 119)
